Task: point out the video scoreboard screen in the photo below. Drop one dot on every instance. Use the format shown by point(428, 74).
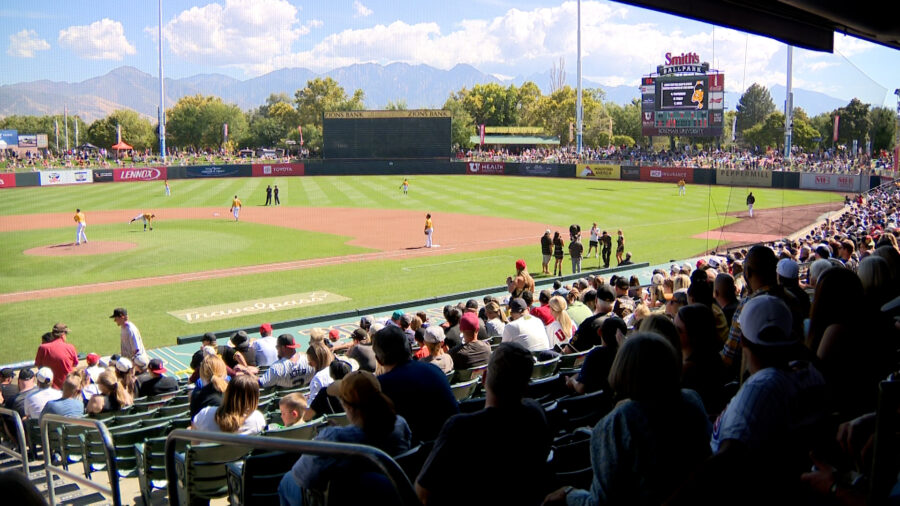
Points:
point(684, 105)
point(386, 134)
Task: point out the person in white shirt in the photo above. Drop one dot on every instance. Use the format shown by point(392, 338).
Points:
point(319, 358)
point(525, 329)
point(562, 328)
point(130, 336)
point(237, 413)
point(266, 353)
point(292, 369)
point(43, 394)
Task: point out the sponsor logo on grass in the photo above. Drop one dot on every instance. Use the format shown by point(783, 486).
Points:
point(256, 306)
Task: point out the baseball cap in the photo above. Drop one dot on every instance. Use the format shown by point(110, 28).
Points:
point(606, 293)
point(823, 251)
point(334, 334)
point(359, 335)
point(142, 361)
point(265, 328)
point(788, 269)
point(60, 329)
point(210, 351)
point(397, 315)
point(701, 263)
point(240, 337)
point(7, 373)
point(434, 334)
point(517, 305)
point(469, 321)
point(351, 364)
point(766, 321)
point(123, 364)
point(287, 341)
point(520, 264)
point(26, 374)
point(210, 337)
point(119, 311)
point(547, 231)
point(366, 322)
point(44, 375)
point(93, 358)
point(157, 366)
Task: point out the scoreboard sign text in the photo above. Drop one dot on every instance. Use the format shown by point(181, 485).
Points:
point(492, 168)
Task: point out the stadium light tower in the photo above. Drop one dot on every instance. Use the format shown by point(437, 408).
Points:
point(162, 96)
point(788, 106)
point(579, 120)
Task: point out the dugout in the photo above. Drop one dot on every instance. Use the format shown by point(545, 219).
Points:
point(386, 135)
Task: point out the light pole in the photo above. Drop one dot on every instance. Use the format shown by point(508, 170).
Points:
point(162, 96)
point(897, 136)
point(579, 120)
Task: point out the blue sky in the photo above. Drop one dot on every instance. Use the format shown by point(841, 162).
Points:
point(75, 40)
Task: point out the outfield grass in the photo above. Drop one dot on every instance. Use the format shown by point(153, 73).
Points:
point(658, 226)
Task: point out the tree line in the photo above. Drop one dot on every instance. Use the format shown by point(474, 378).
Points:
point(196, 121)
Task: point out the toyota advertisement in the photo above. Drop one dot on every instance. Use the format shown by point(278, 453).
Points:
point(667, 174)
point(492, 168)
point(278, 169)
point(140, 174)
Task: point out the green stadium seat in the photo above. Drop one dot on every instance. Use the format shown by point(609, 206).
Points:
point(125, 441)
point(571, 363)
point(304, 431)
point(464, 390)
point(463, 375)
point(201, 471)
point(150, 462)
point(254, 481)
point(545, 369)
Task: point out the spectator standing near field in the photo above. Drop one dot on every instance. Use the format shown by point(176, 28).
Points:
point(58, 355)
point(620, 248)
point(546, 251)
point(594, 241)
point(606, 245)
point(131, 343)
point(557, 253)
point(575, 251)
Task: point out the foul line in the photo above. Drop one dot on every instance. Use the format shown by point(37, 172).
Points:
point(454, 262)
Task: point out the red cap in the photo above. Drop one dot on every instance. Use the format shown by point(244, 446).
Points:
point(265, 328)
point(469, 321)
point(700, 263)
point(93, 358)
point(334, 334)
point(520, 264)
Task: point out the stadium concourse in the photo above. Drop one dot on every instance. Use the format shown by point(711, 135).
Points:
point(645, 385)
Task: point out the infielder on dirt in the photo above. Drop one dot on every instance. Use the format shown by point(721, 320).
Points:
point(80, 225)
point(236, 207)
point(147, 217)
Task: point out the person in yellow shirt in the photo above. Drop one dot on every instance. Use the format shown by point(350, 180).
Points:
point(405, 186)
point(236, 207)
point(682, 190)
point(80, 225)
point(429, 229)
point(146, 217)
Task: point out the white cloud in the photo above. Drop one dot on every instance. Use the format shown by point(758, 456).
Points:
point(23, 44)
point(100, 40)
point(242, 33)
point(361, 10)
point(850, 46)
point(820, 65)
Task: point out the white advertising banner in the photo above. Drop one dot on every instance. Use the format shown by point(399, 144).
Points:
point(58, 177)
point(834, 182)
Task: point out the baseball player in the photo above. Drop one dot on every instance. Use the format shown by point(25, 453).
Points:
point(236, 207)
point(429, 229)
point(168, 190)
point(80, 224)
point(750, 201)
point(147, 218)
point(405, 186)
point(682, 187)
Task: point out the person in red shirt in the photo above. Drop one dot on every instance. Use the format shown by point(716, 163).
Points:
point(543, 311)
point(58, 355)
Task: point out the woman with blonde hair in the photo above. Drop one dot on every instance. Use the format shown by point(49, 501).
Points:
point(113, 395)
point(496, 319)
point(682, 282)
point(522, 280)
point(125, 374)
point(319, 357)
point(562, 328)
point(213, 378)
point(238, 413)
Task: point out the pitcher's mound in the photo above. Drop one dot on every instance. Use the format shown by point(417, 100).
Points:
point(88, 248)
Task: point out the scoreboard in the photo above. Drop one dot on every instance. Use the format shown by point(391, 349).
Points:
point(690, 105)
point(421, 133)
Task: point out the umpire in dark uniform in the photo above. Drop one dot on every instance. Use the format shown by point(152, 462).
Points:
point(269, 195)
point(605, 248)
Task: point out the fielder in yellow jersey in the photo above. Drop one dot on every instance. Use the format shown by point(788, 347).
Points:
point(429, 229)
point(80, 224)
point(148, 220)
point(236, 207)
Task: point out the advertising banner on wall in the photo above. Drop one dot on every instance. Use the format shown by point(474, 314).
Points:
point(630, 173)
point(103, 175)
point(834, 182)
point(58, 177)
point(218, 171)
point(7, 181)
point(278, 169)
point(42, 140)
point(539, 169)
point(667, 174)
point(490, 168)
point(28, 141)
point(140, 174)
point(10, 137)
point(597, 171)
point(731, 177)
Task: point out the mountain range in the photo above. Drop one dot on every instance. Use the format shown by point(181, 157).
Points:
point(420, 86)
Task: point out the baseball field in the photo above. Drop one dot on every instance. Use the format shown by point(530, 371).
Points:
point(334, 243)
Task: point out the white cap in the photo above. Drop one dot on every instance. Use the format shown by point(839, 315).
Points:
point(766, 321)
point(123, 364)
point(44, 375)
point(788, 269)
point(434, 334)
point(142, 361)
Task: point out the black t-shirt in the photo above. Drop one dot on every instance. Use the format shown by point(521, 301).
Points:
point(588, 334)
point(606, 241)
point(515, 452)
point(422, 396)
point(546, 244)
point(205, 396)
point(595, 369)
point(9, 392)
point(452, 338)
point(156, 385)
point(325, 404)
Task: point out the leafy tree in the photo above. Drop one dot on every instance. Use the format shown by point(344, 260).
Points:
point(626, 119)
point(318, 97)
point(264, 132)
point(854, 122)
point(824, 125)
point(399, 105)
point(491, 104)
point(754, 106)
point(803, 134)
point(883, 128)
point(768, 133)
point(197, 121)
point(136, 131)
point(623, 140)
point(461, 124)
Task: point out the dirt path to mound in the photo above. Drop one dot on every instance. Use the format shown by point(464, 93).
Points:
point(766, 224)
point(393, 233)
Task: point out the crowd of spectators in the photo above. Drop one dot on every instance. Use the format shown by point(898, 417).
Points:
point(45, 159)
point(738, 365)
point(823, 161)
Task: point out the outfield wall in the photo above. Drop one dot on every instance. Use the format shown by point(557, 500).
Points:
point(602, 171)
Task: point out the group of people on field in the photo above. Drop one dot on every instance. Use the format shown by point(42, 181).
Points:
point(600, 245)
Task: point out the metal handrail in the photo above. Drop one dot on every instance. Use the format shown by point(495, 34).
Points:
point(20, 433)
point(109, 449)
point(373, 456)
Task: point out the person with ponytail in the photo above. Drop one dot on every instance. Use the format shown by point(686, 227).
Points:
point(373, 421)
point(213, 378)
point(237, 413)
point(113, 395)
point(562, 328)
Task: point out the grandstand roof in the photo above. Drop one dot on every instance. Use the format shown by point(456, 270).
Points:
point(527, 140)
